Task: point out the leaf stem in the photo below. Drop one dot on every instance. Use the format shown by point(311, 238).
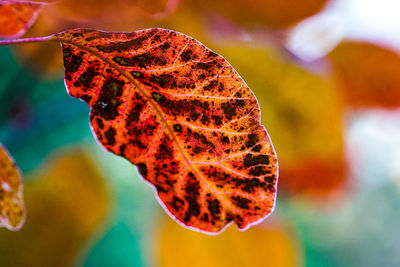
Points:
point(26, 40)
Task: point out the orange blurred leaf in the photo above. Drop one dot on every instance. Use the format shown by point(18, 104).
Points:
point(17, 16)
point(44, 58)
point(183, 115)
point(270, 13)
point(272, 245)
point(97, 13)
point(57, 16)
point(67, 202)
point(316, 177)
point(369, 75)
point(12, 209)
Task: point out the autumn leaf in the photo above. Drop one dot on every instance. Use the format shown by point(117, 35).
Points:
point(270, 245)
point(17, 16)
point(183, 115)
point(12, 209)
point(67, 202)
point(368, 75)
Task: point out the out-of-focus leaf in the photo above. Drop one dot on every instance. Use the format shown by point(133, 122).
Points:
point(369, 75)
point(17, 16)
point(12, 209)
point(44, 58)
point(106, 14)
point(270, 13)
point(314, 176)
point(57, 16)
point(303, 114)
point(271, 245)
point(66, 203)
point(183, 115)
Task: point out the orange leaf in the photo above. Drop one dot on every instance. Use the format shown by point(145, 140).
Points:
point(183, 115)
point(12, 209)
point(16, 17)
point(369, 75)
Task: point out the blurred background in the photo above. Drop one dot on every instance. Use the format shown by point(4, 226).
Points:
point(327, 77)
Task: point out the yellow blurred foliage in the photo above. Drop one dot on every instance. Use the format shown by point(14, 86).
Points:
point(369, 75)
point(272, 245)
point(12, 209)
point(66, 203)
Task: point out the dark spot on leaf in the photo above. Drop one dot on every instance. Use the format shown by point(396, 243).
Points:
point(249, 185)
point(73, 64)
point(205, 218)
point(229, 111)
point(225, 139)
point(158, 97)
point(205, 119)
point(251, 160)
point(177, 203)
point(110, 136)
point(257, 148)
point(142, 169)
point(241, 202)
point(259, 170)
point(204, 66)
point(194, 115)
point(86, 98)
point(214, 208)
point(240, 103)
point(251, 141)
point(192, 190)
point(137, 74)
point(100, 123)
point(122, 150)
point(107, 105)
point(217, 120)
point(186, 55)
point(122, 61)
point(164, 80)
point(197, 150)
point(120, 46)
point(165, 46)
point(165, 149)
point(87, 77)
point(142, 60)
point(269, 179)
point(104, 49)
point(177, 128)
point(210, 86)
